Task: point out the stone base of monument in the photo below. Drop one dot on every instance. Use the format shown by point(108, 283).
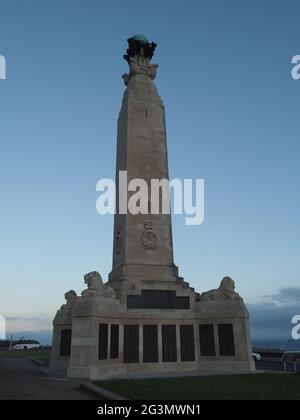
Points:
point(148, 332)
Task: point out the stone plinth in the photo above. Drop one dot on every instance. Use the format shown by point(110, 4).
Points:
point(91, 359)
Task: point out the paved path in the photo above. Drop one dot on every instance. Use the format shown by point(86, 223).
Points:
point(276, 366)
point(20, 379)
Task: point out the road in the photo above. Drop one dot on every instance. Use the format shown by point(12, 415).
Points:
point(21, 379)
point(276, 366)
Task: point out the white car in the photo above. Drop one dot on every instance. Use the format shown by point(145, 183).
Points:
point(256, 357)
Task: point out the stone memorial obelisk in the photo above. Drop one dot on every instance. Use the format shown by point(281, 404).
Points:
point(145, 318)
point(143, 249)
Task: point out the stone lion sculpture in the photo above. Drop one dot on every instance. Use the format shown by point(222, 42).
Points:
point(95, 286)
point(70, 297)
point(226, 291)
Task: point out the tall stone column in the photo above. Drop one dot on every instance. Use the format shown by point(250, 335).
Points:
point(143, 249)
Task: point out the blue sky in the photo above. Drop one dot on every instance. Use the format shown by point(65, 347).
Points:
point(232, 119)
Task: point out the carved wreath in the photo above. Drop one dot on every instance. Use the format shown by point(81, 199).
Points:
point(149, 240)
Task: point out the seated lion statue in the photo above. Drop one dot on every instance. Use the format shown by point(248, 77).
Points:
point(70, 297)
point(95, 286)
point(226, 291)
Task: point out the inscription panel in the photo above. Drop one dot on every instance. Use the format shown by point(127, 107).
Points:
point(169, 343)
point(65, 342)
point(226, 340)
point(103, 340)
point(187, 343)
point(114, 341)
point(158, 299)
point(207, 340)
point(131, 344)
point(150, 344)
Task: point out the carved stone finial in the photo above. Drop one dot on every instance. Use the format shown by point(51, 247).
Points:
point(138, 56)
point(139, 46)
point(226, 291)
point(95, 286)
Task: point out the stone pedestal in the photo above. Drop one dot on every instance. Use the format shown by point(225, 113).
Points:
point(110, 340)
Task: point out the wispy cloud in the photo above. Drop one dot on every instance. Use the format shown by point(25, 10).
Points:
point(271, 316)
point(33, 323)
point(286, 297)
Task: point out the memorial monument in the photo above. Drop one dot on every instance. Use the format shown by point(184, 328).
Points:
point(146, 319)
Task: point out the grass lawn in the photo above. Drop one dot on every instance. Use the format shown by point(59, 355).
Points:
point(238, 387)
point(42, 355)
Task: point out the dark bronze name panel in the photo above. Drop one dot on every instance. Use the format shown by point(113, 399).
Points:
point(158, 299)
point(65, 342)
point(187, 343)
point(103, 341)
point(169, 343)
point(207, 340)
point(114, 341)
point(150, 344)
point(131, 344)
point(226, 340)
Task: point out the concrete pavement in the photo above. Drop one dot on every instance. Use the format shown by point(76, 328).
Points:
point(20, 379)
